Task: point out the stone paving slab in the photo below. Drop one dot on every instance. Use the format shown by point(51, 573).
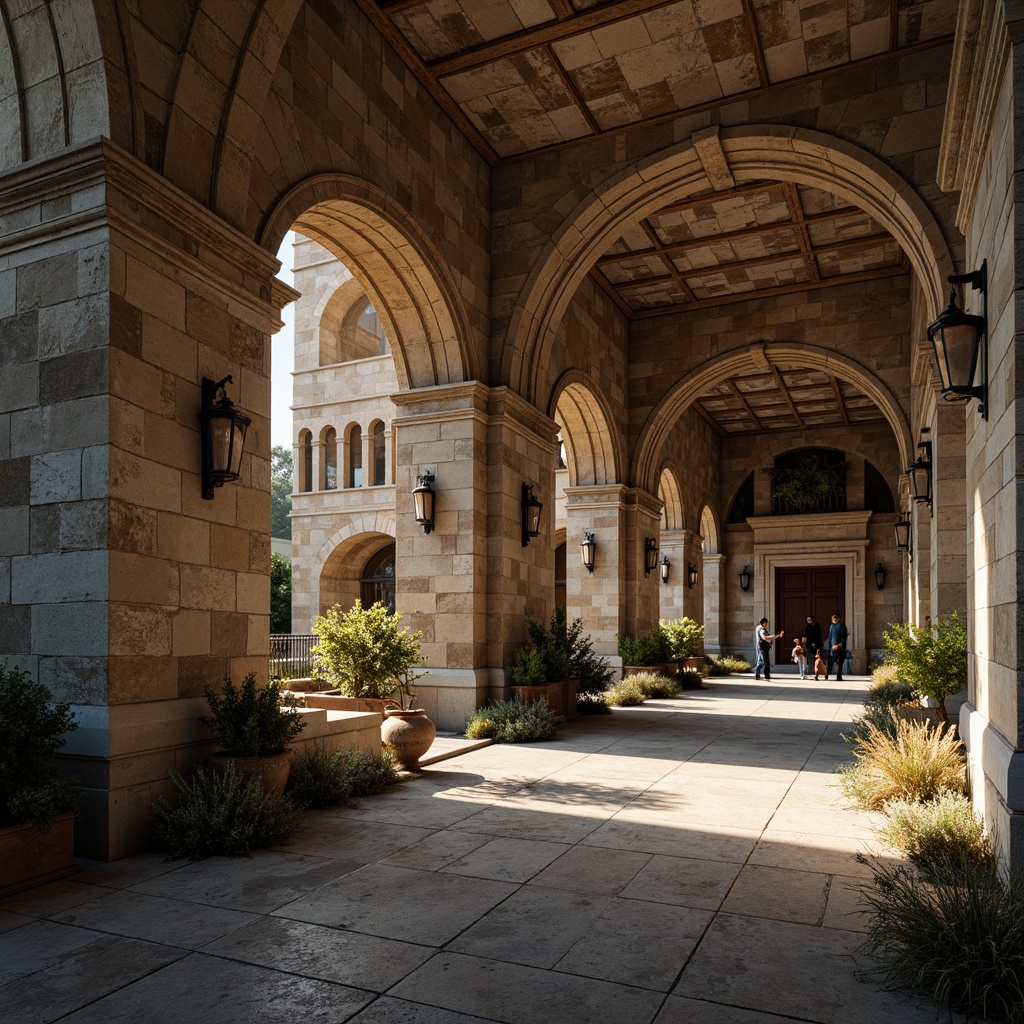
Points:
point(688, 861)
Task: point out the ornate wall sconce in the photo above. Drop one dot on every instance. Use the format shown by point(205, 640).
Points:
point(880, 576)
point(958, 339)
point(222, 429)
point(588, 546)
point(744, 579)
point(666, 566)
point(691, 575)
point(650, 555)
point(921, 472)
point(531, 514)
point(423, 501)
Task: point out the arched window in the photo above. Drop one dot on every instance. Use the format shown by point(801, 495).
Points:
point(305, 460)
point(743, 504)
point(378, 580)
point(329, 454)
point(355, 456)
point(379, 455)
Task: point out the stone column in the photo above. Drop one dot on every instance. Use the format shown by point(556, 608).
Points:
point(470, 585)
point(714, 567)
point(389, 460)
point(124, 591)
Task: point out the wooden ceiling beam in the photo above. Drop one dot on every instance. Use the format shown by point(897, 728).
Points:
point(746, 405)
point(796, 213)
point(755, 43)
point(709, 419)
point(781, 385)
point(839, 401)
point(667, 260)
point(574, 93)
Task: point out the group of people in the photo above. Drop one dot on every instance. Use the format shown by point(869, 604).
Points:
point(807, 649)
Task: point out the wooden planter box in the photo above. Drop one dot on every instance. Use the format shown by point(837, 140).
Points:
point(560, 695)
point(694, 663)
point(335, 702)
point(31, 858)
point(637, 670)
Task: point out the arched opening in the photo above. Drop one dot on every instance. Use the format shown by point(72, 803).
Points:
point(305, 460)
point(358, 552)
point(670, 494)
point(354, 456)
point(377, 582)
point(708, 532)
point(329, 458)
point(588, 447)
point(379, 453)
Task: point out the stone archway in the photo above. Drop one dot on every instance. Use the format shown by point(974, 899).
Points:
point(396, 265)
point(593, 454)
point(753, 153)
point(338, 565)
point(666, 414)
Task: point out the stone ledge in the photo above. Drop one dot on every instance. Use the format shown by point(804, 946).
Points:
point(990, 751)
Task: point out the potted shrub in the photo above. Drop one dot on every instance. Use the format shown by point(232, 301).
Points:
point(254, 727)
point(371, 660)
point(36, 804)
point(686, 641)
point(640, 654)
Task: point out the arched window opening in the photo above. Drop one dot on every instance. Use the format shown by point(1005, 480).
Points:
point(877, 492)
point(369, 322)
point(743, 504)
point(378, 580)
point(379, 455)
point(306, 461)
point(330, 457)
point(355, 457)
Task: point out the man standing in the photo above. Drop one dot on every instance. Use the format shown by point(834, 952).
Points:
point(764, 641)
point(837, 635)
point(813, 635)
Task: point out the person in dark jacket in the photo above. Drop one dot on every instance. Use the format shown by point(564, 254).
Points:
point(837, 636)
point(813, 635)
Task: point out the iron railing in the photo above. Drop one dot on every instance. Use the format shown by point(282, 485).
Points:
point(290, 655)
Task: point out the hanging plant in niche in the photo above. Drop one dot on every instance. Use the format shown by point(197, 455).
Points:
point(812, 482)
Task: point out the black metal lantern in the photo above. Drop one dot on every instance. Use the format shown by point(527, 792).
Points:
point(902, 530)
point(744, 579)
point(587, 548)
point(880, 576)
point(423, 501)
point(223, 430)
point(958, 339)
point(691, 575)
point(650, 555)
point(531, 514)
point(666, 565)
point(921, 474)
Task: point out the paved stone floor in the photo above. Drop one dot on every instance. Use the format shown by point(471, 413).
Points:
point(686, 861)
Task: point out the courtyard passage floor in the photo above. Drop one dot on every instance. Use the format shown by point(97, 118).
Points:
point(686, 862)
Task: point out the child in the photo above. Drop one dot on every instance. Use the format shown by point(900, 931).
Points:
point(819, 665)
point(800, 656)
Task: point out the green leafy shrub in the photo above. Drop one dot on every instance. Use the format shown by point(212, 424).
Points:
point(932, 659)
point(714, 667)
point(649, 649)
point(280, 594)
point(363, 652)
point(917, 763)
point(222, 813)
point(32, 730)
point(962, 944)
point(322, 777)
point(935, 832)
point(527, 668)
point(685, 638)
point(512, 721)
point(248, 722)
point(560, 650)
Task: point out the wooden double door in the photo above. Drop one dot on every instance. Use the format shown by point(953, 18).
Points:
point(800, 591)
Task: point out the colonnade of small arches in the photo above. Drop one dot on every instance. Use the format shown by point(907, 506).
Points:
point(355, 457)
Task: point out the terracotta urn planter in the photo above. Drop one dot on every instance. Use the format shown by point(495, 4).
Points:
point(410, 734)
point(271, 769)
point(30, 857)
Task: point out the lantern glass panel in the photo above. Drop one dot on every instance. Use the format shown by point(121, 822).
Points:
point(920, 481)
point(423, 501)
point(533, 520)
point(961, 347)
point(902, 529)
point(237, 444)
point(221, 435)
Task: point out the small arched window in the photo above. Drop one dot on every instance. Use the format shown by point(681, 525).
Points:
point(305, 460)
point(355, 457)
point(378, 580)
point(330, 457)
point(379, 455)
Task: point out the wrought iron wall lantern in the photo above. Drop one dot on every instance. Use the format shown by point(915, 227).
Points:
point(744, 579)
point(423, 501)
point(920, 472)
point(650, 555)
point(880, 576)
point(666, 567)
point(958, 339)
point(588, 546)
point(691, 575)
point(223, 428)
point(531, 514)
point(902, 530)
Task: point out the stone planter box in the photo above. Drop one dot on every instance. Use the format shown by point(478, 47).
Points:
point(31, 858)
point(560, 695)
